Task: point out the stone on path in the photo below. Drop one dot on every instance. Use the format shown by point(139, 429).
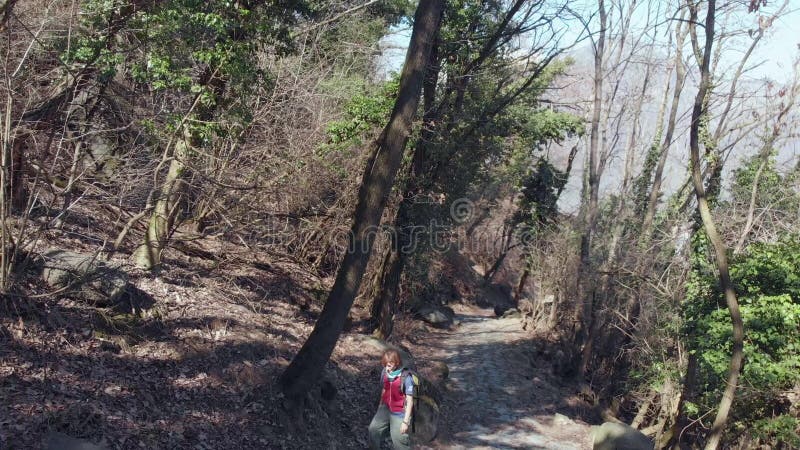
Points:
point(512, 313)
point(426, 419)
point(440, 317)
point(560, 419)
point(617, 436)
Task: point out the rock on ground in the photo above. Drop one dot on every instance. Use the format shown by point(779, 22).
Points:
point(83, 276)
point(617, 436)
point(440, 317)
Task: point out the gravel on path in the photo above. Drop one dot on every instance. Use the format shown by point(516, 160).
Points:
point(497, 397)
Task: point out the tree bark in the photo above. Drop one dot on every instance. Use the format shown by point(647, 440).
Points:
point(506, 247)
point(720, 249)
point(6, 9)
point(384, 303)
point(376, 184)
point(148, 254)
point(592, 185)
point(523, 280)
point(5, 241)
point(687, 392)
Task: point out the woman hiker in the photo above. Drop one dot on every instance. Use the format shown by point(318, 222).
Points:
point(397, 403)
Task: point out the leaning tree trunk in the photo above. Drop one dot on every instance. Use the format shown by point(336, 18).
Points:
point(720, 249)
point(384, 303)
point(148, 254)
point(167, 196)
point(376, 184)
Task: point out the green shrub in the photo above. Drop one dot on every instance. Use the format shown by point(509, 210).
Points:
point(767, 283)
point(781, 430)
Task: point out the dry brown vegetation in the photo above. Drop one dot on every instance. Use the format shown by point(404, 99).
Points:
point(213, 153)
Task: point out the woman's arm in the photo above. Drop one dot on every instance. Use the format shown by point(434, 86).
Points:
point(409, 403)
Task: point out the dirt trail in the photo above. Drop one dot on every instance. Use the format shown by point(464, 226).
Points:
point(499, 398)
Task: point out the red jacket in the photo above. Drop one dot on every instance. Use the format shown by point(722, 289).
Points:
point(392, 394)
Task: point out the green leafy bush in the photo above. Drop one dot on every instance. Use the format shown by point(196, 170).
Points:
point(781, 429)
point(767, 283)
point(362, 114)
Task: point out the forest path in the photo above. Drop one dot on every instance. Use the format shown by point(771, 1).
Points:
point(499, 398)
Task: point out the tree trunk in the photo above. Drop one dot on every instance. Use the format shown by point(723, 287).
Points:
point(6, 9)
point(403, 243)
point(18, 189)
point(592, 185)
point(523, 280)
point(148, 255)
point(720, 249)
point(384, 303)
point(376, 185)
point(159, 228)
point(570, 159)
point(509, 234)
point(687, 392)
point(5, 241)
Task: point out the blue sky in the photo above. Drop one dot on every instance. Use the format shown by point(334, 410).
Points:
point(776, 52)
point(782, 46)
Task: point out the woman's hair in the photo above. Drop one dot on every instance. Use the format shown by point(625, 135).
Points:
point(393, 356)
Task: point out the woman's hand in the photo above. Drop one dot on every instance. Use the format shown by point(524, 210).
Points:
point(409, 407)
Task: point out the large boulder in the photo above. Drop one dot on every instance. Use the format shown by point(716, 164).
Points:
point(426, 417)
point(83, 277)
point(438, 316)
point(618, 436)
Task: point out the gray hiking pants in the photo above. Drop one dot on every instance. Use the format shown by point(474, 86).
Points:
point(384, 422)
